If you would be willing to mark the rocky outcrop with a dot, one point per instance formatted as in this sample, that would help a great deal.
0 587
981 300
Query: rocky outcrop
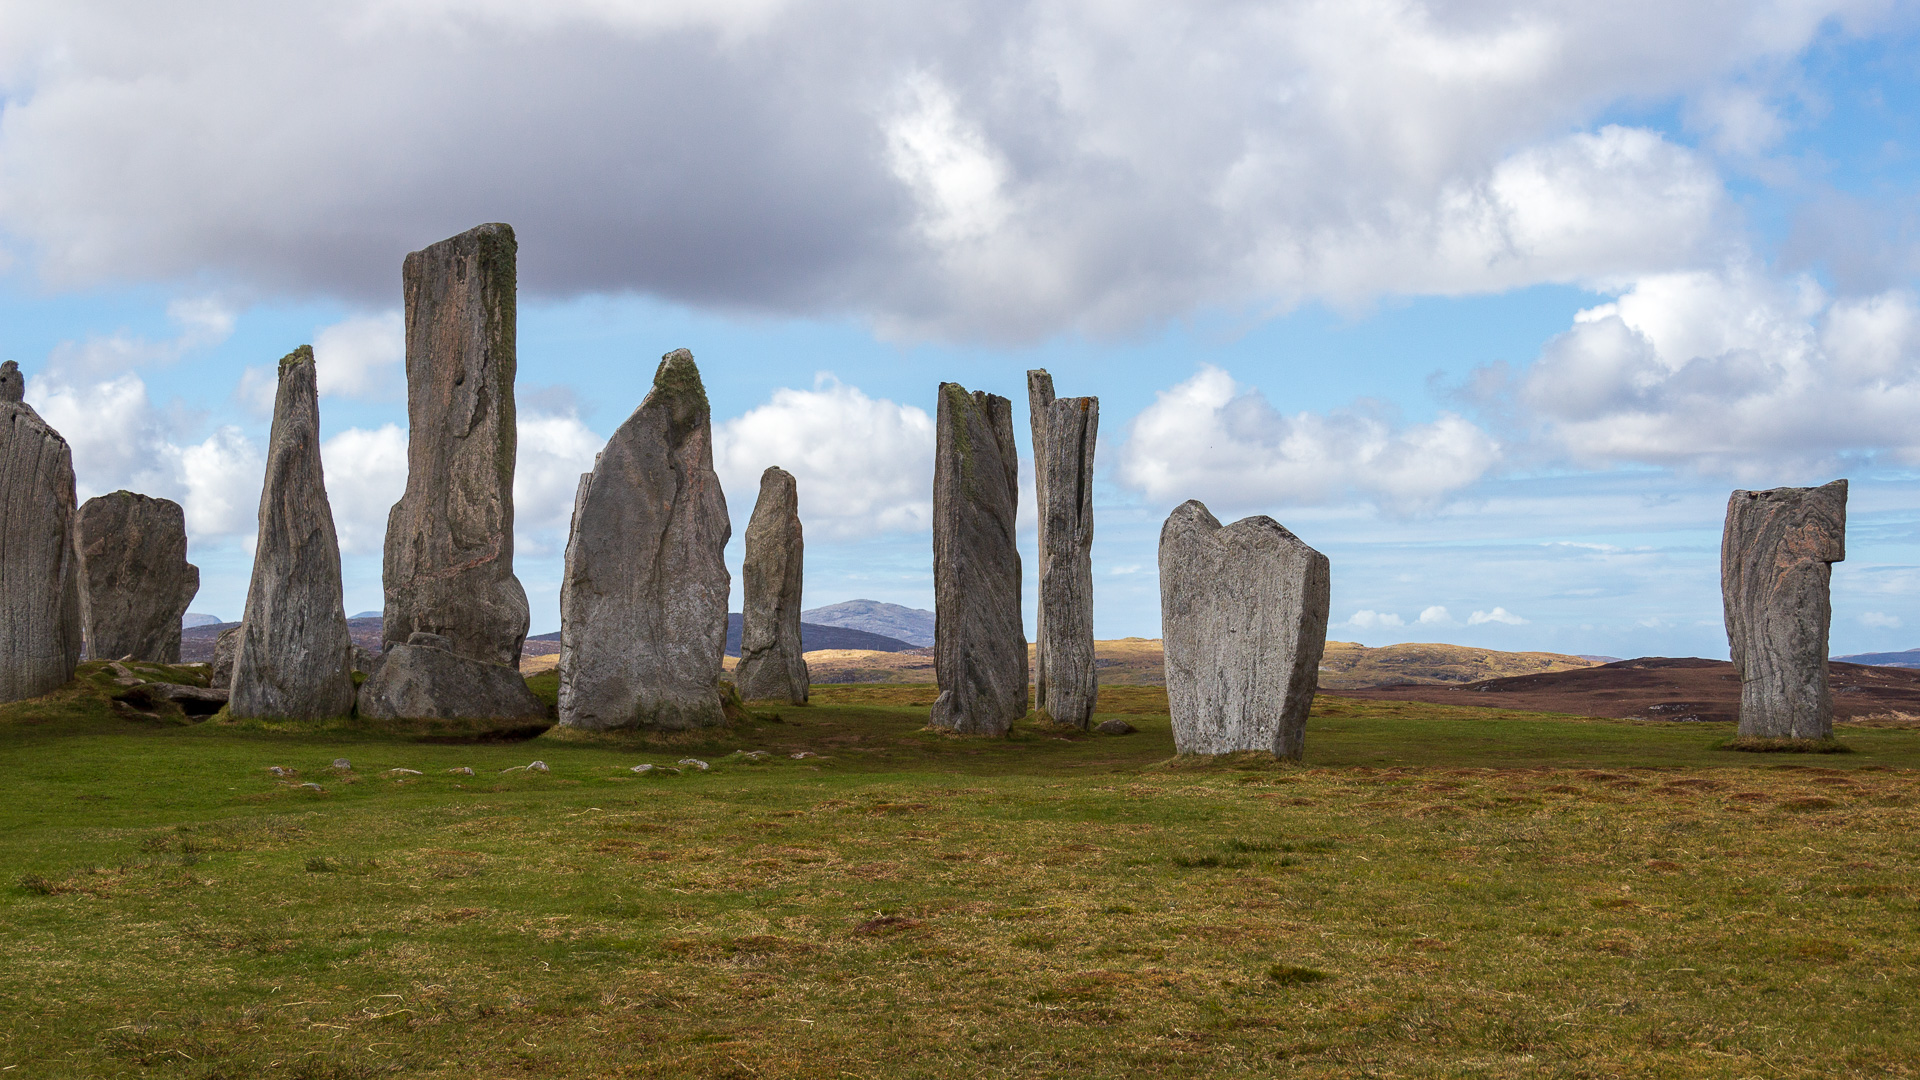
294 657
1064 433
1776 562
224 649
40 629
643 605
771 664
425 679
1243 616
135 580
980 644
449 555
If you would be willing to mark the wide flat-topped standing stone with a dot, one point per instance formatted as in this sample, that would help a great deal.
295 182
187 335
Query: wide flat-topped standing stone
1064 433
40 630
1243 618
449 554
135 579
424 680
980 644
294 659
1776 562
643 605
771 664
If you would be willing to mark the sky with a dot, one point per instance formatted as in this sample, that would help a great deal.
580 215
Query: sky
1493 303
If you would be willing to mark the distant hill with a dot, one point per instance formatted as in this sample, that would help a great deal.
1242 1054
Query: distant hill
1908 659
196 642
812 636
911 625
194 618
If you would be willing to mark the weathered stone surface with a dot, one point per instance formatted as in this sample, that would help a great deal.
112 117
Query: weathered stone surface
1776 561
1065 685
424 680
1114 727
771 664
449 555
1243 616
135 580
40 629
294 658
643 605
980 644
224 648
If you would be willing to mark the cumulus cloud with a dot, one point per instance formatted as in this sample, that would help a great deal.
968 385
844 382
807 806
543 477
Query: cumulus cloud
1734 373
1497 615
1880 620
1437 616
863 465
362 357
1211 438
1369 620
999 170
555 448
366 474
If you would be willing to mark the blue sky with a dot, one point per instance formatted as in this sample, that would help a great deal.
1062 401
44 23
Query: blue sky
1493 303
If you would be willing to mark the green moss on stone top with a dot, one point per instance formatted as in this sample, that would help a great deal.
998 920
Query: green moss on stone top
301 355
679 377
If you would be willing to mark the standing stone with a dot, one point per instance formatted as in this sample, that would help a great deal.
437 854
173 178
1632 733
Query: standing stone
449 555
40 632
1776 561
1243 615
425 680
135 580
643 606
295 658
1065 685
225 648
771 664
980 645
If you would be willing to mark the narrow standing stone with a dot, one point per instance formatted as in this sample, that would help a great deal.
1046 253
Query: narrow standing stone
643 605
449 555
1243 615
771 664
1065 684
225 648
980 645
295 657
1776 562
39 572
135 581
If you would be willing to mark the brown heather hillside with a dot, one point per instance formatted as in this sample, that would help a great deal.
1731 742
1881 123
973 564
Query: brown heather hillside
1138 662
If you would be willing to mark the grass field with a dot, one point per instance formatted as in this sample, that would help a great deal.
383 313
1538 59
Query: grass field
1436 892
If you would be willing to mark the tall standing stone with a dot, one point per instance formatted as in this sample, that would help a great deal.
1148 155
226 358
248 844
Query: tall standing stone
1776 562
1065 685
980 644
295 658
40 631
643 606
771 663
135 581
449 555
1243 616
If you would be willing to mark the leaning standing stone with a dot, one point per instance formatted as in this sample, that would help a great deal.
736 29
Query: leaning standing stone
135 579
1064 433
643 605
771 664
449 555
224 649
1776 561
294 658
39 572
1243 615
980 644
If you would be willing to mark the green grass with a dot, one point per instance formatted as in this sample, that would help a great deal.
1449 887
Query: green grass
1434 892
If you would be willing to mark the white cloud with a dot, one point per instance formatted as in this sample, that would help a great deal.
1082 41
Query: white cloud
1437 616
1497 615
1880 620
1211 438
362 357
554 450
366 474
997 170
202 322
1369 620
863 465
1732 373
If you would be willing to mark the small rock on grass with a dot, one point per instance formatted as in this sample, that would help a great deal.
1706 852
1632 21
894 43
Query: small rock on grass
280 770
1115 727
695 763
311 786
343 764
643 768
405 772
803 754
463 770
